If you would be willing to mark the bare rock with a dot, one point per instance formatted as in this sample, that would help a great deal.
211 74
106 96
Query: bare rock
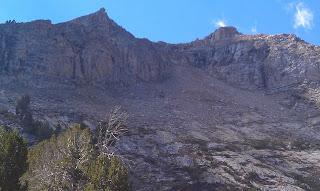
88 49
223 33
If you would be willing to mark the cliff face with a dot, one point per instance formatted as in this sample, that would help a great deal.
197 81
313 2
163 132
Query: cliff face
89 49
95 49
255 61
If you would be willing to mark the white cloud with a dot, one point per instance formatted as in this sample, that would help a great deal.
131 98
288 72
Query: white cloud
303 17
254 29
289 7
220 24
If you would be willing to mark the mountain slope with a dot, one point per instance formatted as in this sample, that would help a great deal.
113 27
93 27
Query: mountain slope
230 111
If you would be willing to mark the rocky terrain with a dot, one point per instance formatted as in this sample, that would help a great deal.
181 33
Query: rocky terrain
228 112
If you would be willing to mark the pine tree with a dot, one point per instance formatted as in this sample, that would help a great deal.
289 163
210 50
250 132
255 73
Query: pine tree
108 174
72 162
41 130
60 163
13 159
57 130
23 106
28 123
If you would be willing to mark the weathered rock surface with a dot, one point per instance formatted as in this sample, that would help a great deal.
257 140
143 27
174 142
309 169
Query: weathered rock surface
194 123
94 49
254 61
88 49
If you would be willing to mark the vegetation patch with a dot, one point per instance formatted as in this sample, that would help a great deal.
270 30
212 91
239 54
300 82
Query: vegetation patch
13 159
204 147
72 162
252 177
310 182
192 140
206 186
8 115
3 111
263 144
40 129
150 160
152 141
145 131
304 145
301 97
229 171
228 147
233 147
194 172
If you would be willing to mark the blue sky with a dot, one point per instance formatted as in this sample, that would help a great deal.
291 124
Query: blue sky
177 21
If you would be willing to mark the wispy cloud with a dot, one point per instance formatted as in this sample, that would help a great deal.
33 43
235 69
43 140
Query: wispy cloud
289 7
254 29
303 17
220 23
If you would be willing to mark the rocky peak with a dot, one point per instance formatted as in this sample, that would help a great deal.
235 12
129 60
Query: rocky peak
89 49
223 33
94 18
94 49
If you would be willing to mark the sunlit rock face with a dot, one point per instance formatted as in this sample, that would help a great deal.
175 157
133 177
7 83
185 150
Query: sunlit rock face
94 49
254 61
88 49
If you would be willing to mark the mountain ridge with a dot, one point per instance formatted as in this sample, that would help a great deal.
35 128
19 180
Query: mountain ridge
230 111
94 49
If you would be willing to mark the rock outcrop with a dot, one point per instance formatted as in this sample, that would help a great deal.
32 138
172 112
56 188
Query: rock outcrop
254 61
88 49
94 49
223 33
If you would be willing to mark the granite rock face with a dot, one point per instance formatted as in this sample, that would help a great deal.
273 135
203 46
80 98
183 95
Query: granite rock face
88 49
255 61
94 49
223 33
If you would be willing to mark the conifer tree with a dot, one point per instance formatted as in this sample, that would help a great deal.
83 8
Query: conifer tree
22 106
72 162
13 159
108 174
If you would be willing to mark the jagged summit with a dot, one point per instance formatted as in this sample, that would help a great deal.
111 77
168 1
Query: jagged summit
95 18
102 10
94 49
223 33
